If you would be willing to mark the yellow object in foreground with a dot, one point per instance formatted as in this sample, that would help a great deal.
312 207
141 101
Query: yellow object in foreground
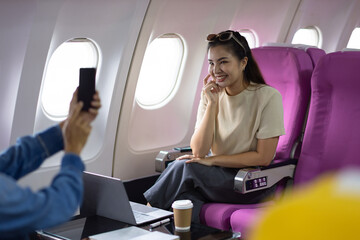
329 208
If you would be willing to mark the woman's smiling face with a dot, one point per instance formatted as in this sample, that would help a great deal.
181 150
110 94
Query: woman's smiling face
226 69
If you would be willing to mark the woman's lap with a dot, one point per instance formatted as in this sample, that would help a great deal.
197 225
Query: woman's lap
199 183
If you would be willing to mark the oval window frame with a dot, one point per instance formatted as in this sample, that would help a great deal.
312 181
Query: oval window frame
171 90
46 94
251 33
354 40
314 29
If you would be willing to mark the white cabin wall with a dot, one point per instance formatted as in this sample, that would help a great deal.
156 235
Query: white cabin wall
353 21
270 20
114 27
143 133
15 32
332 17
33 68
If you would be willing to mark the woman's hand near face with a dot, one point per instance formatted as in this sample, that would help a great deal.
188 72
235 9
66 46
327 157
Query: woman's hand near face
202 137
211 90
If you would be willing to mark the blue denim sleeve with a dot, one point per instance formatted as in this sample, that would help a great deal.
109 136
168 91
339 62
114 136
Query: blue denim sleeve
23 211
29 152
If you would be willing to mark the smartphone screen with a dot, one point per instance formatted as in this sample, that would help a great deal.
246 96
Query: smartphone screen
86 86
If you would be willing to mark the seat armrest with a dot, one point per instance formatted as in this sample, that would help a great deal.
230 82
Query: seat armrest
258 178
163 158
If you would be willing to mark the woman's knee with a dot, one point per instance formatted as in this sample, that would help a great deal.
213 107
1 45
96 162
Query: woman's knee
189 169
178 164
174 168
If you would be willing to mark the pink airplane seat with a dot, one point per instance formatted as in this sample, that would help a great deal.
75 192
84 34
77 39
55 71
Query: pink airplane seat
288 70
314 52
331 138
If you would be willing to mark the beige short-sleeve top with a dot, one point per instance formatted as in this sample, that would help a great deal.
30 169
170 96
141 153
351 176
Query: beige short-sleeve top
255 113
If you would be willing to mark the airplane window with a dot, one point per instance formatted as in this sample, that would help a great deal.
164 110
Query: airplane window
159 71
354 41
308 36
62 75
251 37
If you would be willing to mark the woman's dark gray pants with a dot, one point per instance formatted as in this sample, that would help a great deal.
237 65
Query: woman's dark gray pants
200 184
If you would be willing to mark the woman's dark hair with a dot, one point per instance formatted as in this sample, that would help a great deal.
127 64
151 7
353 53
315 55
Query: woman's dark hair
252 72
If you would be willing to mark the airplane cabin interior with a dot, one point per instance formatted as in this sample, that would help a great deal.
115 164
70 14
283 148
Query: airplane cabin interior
151 58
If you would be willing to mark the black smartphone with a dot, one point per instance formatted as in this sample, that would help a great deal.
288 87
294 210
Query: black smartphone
86 89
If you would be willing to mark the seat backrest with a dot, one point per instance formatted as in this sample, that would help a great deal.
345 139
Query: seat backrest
332 135
315 54
288 70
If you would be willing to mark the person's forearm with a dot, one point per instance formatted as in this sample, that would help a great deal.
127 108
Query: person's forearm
202 138
247 159
29 152
262 156
23 211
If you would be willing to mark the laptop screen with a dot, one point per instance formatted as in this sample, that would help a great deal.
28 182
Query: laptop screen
106 196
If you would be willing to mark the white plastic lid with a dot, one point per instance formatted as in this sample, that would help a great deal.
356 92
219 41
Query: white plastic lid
182 204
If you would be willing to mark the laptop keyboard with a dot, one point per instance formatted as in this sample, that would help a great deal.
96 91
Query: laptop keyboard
140 217
143 213
141 208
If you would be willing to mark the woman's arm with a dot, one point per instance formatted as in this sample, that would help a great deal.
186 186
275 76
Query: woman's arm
203 136
263 156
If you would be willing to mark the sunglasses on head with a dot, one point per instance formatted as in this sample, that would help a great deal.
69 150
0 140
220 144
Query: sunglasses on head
223 37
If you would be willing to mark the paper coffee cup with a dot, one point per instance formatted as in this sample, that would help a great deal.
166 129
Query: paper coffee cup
182 214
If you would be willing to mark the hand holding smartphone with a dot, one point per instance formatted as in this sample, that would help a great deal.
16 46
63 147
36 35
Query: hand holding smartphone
86 89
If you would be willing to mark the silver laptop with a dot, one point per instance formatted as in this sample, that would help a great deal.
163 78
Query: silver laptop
106 196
